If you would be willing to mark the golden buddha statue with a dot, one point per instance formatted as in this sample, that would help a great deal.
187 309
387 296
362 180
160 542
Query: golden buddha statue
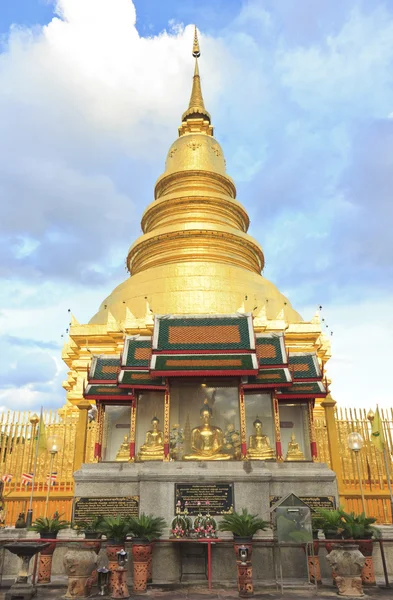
153 448
123 454
207 440
259 447
294 452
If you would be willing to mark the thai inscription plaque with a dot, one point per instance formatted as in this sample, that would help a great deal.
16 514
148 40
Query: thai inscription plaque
215 498
87 508
313 502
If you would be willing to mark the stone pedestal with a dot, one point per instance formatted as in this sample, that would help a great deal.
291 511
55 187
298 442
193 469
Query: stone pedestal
347 561
254 483
79 564
22 589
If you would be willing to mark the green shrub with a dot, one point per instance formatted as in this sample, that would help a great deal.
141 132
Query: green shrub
242 524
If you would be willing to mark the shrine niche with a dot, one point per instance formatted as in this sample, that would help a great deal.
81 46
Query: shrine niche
205 388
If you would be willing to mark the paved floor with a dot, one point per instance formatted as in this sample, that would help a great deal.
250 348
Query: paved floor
55 592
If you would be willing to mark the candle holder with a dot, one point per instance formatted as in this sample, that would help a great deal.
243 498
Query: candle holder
103 581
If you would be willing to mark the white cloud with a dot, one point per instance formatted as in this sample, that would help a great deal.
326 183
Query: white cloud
88 109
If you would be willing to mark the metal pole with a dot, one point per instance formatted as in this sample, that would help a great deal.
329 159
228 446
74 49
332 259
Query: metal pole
383 558
52 458
360 480
29 518
388 480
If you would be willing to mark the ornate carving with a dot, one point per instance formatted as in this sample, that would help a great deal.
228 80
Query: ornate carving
349 586
172 152
194 145
216 149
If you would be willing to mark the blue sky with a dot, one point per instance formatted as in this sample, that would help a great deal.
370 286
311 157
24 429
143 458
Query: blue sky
91 93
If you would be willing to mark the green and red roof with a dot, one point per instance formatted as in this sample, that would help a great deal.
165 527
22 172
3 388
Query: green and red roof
209 333
201 346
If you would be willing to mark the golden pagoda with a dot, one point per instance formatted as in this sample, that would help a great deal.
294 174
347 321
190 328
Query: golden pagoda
195 257
196 356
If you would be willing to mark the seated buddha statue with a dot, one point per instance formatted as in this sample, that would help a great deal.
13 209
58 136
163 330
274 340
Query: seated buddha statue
294 452
207 440
124 450
153 448
259 447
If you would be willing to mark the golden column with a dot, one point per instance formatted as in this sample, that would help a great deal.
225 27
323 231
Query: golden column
334 446
81 434
133 428
243 433
167 404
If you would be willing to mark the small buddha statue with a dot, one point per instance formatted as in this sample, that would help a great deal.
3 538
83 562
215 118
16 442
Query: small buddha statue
207 440
294 452
123 454
153 448
259 447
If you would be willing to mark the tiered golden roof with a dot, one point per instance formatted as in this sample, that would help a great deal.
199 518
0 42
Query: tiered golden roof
195 255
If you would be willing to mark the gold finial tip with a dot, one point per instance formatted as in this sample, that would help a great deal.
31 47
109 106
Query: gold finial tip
195 48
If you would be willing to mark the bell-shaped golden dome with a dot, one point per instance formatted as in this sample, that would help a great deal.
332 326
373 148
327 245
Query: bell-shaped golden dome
195 255
195 152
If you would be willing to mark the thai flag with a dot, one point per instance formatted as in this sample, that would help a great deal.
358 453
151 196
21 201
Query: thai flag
51 478
6 478
27 478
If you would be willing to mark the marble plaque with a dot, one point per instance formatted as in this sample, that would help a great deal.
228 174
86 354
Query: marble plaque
215 498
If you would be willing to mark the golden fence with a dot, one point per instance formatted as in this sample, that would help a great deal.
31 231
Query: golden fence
17 445
17 454
372 463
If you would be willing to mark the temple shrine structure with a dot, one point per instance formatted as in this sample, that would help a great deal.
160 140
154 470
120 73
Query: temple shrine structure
199 368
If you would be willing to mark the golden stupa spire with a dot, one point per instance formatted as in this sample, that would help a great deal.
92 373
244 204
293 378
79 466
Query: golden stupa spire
196 110
195 48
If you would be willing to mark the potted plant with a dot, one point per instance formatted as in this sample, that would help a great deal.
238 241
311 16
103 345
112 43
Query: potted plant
115 529
243 525
90 527
331 523
144 530
360 527
49 528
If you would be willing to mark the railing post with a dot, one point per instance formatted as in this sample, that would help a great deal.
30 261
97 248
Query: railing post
334 446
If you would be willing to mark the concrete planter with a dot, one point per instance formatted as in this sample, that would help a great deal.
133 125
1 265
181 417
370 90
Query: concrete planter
314 565
79 563
347 561
46 557
141 554
368 572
